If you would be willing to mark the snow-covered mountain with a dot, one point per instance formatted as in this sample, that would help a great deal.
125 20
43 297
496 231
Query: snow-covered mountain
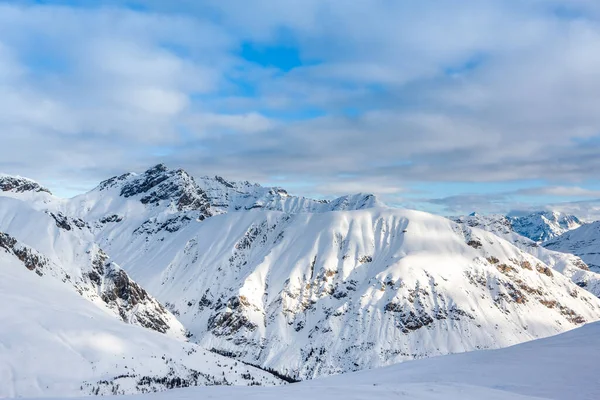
544 225
538 226
235 196
317 294
62 249
17 184
583 242
161 190
311 288
55 342
567 264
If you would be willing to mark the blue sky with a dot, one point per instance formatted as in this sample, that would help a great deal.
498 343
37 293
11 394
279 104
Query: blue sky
449 107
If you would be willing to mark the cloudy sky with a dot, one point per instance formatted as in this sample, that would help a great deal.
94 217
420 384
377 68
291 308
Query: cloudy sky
445 106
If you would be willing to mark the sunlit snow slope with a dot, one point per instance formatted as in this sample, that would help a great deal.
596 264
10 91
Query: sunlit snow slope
315 294
54 342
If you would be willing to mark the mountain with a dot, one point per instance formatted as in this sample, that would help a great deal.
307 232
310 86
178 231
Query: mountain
583 242
62 249
163 190
235 196
17 184
56 342
569 265
544 225
310 288
560 368
317 294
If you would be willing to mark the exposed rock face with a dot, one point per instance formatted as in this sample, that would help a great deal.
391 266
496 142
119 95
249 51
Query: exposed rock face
105 280
30 258
217 195
126 297
20 185
67 223
159 184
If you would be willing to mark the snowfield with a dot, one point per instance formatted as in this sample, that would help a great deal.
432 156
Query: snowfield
562 367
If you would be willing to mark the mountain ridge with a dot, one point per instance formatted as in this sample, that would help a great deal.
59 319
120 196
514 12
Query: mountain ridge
311 288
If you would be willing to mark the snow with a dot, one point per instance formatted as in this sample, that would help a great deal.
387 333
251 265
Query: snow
316 294
71 257
544 225
583 242
235 196
54 342
560 367
567 264
305 287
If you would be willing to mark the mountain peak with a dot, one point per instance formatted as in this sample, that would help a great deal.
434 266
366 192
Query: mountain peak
17 184
160 184
157 169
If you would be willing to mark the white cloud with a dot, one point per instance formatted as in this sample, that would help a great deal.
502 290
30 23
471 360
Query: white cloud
474 91
560 191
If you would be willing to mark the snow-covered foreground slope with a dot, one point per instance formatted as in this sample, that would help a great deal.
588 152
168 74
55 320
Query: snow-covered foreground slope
567 264
583 242
562 367
316 294
54 342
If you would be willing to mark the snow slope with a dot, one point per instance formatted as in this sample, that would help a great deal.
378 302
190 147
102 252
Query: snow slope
567 264
561 367
583 242
54 342
62 249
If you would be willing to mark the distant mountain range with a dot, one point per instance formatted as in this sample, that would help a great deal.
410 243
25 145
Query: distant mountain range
298 287
538 226
568 264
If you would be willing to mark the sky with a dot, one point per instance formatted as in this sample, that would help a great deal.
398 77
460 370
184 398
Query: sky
444 106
